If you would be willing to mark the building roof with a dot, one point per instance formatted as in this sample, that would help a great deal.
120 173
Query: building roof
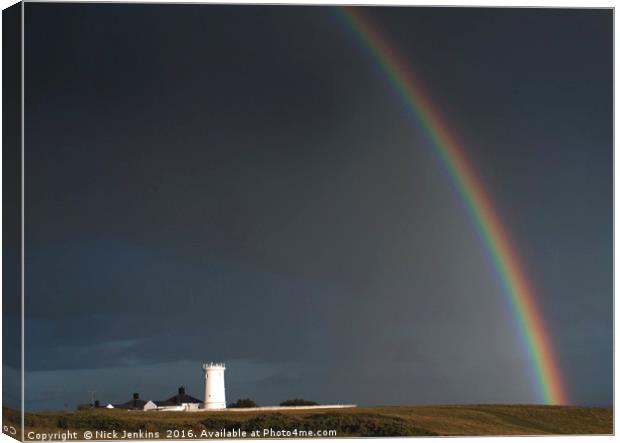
135 403
178 399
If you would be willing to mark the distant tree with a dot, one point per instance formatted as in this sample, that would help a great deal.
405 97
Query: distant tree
243 403
298 402
85 407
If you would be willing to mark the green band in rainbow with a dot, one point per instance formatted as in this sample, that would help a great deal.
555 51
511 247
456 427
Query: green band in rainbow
503 255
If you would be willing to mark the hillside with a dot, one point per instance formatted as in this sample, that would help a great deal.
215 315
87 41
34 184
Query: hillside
362 421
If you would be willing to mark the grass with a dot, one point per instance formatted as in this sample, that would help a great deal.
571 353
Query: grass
362 421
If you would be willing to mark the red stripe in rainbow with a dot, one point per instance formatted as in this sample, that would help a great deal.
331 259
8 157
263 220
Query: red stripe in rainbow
519 292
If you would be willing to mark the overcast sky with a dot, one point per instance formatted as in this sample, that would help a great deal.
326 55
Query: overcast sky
241 184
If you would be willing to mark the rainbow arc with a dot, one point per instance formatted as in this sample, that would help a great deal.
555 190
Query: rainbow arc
531 326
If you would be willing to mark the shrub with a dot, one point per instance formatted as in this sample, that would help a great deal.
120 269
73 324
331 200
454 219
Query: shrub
243 403
298 402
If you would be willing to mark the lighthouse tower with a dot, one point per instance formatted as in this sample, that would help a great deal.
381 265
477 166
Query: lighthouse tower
215 393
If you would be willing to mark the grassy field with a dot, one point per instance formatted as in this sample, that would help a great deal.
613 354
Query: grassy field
361 421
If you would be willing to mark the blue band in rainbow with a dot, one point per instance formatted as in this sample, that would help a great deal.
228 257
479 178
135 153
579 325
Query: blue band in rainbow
516 287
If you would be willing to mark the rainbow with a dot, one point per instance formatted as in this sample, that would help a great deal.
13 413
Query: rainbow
531 326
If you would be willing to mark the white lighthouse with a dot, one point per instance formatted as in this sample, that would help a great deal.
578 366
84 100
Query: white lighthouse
215 393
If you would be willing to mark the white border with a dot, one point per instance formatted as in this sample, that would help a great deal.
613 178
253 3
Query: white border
478 3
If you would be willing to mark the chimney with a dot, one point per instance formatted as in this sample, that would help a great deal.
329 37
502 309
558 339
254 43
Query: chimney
97 404
136 395
182 390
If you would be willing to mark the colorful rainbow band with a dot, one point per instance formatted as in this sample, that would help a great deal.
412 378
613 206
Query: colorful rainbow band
531 327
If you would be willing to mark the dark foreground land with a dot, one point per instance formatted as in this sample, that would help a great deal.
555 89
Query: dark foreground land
361 421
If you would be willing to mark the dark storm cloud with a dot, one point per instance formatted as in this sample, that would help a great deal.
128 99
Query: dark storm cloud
239 183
